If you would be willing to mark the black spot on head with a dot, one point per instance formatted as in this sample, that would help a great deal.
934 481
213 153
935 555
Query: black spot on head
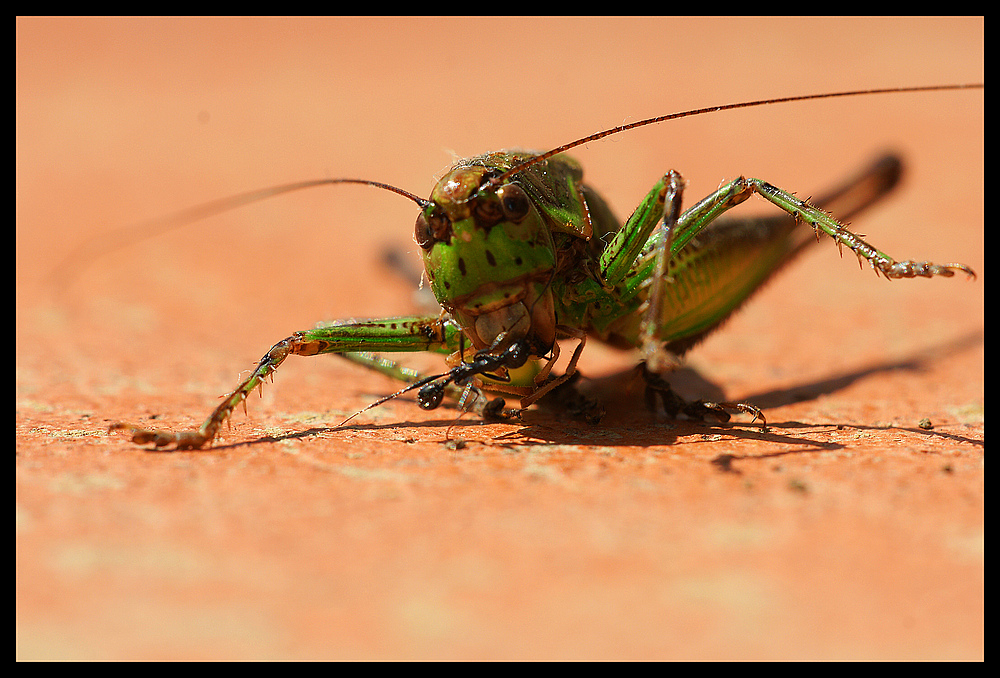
490 259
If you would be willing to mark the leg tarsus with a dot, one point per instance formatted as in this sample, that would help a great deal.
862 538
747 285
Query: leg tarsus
659 389
494 411
568 398
193 440
184 440
722 407
880 262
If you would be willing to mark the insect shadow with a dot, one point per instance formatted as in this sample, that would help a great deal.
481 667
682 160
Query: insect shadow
919 361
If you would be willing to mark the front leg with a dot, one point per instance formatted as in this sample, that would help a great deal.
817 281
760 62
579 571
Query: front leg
392 334
189 440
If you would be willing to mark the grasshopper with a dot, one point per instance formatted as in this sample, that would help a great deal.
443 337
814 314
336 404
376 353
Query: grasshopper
521 253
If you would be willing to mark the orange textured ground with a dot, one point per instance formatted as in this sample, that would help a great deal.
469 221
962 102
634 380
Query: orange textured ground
845 531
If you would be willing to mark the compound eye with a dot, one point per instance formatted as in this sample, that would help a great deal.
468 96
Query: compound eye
514 202
488 212
430 230
422 233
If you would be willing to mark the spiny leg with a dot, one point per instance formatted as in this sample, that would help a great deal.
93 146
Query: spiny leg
639 259
693 272
699 270
650 344
656 357
188 440
393 334
823 222
715 265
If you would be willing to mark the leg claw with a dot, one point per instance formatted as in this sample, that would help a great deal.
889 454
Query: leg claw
184 440
657 389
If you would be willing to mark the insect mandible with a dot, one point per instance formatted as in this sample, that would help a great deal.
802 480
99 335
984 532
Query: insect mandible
521 253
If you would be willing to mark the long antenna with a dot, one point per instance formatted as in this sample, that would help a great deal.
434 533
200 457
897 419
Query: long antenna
496 181
129 235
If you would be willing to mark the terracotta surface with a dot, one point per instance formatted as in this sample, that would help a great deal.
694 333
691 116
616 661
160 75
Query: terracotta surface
845 531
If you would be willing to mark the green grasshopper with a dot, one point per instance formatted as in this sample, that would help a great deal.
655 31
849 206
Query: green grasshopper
521 253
